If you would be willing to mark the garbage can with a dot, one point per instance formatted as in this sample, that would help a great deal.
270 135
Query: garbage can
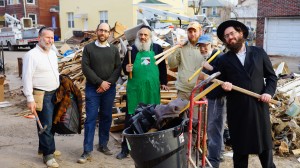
162 149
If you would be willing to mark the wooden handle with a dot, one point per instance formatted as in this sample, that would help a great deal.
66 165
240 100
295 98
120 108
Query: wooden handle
200 69
202 94
162 58
129 58
247 92
167 51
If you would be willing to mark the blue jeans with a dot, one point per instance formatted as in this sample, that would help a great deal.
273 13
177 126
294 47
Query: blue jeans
102 103
46 139
216 118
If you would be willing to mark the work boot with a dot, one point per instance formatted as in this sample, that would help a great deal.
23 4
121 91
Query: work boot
105 150
84 157
122 155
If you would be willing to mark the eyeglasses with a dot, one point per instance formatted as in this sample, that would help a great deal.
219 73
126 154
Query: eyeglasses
103 31
226 36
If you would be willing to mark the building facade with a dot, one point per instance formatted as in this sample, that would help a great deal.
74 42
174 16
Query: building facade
278 23
82 16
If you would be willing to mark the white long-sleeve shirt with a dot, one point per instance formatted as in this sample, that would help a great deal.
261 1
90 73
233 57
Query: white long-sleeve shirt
40 71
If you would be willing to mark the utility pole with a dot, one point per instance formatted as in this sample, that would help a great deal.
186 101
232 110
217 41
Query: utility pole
24 6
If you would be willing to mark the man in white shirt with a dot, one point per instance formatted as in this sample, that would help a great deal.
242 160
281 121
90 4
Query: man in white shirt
40 72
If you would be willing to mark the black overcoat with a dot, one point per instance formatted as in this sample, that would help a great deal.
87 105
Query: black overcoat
248 118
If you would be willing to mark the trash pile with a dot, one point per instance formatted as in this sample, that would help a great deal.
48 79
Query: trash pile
286 119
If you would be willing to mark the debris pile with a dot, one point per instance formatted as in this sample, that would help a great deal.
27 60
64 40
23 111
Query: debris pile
285 119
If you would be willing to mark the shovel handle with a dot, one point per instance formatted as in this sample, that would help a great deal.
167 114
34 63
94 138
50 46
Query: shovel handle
247 92
167 51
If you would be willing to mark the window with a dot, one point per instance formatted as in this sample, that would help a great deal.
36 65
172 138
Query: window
204 10
10 2
30 1
2 3
214 11
70 20
103 17
17 1
33 17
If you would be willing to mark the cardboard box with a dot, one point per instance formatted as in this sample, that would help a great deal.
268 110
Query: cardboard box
2 79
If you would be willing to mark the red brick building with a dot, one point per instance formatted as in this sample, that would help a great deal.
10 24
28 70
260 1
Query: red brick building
278 23
42 12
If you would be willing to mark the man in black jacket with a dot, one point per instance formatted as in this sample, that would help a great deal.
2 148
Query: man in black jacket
248 67
216 106
147 77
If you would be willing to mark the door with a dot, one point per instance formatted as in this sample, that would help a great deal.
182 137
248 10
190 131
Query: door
282 36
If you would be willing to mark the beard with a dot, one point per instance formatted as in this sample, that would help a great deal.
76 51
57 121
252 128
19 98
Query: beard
44 46
142 46
206 55
101 39
237 46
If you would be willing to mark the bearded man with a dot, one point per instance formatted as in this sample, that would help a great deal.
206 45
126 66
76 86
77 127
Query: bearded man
147 77
216 107
101 65
248 119
40 73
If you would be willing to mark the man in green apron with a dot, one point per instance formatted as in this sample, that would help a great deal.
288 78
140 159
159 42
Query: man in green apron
147 77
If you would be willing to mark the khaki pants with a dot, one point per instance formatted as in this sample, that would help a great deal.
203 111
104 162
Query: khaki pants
186 96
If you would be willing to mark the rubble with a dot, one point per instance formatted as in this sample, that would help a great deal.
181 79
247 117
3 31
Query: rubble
285 126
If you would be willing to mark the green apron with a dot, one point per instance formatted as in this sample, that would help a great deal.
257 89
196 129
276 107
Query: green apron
144 87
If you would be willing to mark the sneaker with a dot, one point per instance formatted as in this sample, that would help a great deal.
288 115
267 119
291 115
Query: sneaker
84 157
105 150
52 163
122 155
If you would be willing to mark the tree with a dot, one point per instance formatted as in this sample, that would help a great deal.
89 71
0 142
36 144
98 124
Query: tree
196 5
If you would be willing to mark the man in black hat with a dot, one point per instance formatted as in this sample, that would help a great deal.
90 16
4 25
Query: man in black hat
248 67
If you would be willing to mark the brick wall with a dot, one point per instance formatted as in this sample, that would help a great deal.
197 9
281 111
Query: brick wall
41 8
274 8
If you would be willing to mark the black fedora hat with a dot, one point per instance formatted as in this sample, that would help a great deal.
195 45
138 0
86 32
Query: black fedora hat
233 23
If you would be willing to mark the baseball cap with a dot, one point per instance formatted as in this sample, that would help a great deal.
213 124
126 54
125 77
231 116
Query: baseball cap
194 25
204 39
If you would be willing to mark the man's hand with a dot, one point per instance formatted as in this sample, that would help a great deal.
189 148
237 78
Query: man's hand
227 86
165 87
31 106
99 90
207 66
105 85
129 67
265 98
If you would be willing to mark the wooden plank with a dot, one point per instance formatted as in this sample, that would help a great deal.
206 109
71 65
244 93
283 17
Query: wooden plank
296 152
118 127
123 104
116 136
117 115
